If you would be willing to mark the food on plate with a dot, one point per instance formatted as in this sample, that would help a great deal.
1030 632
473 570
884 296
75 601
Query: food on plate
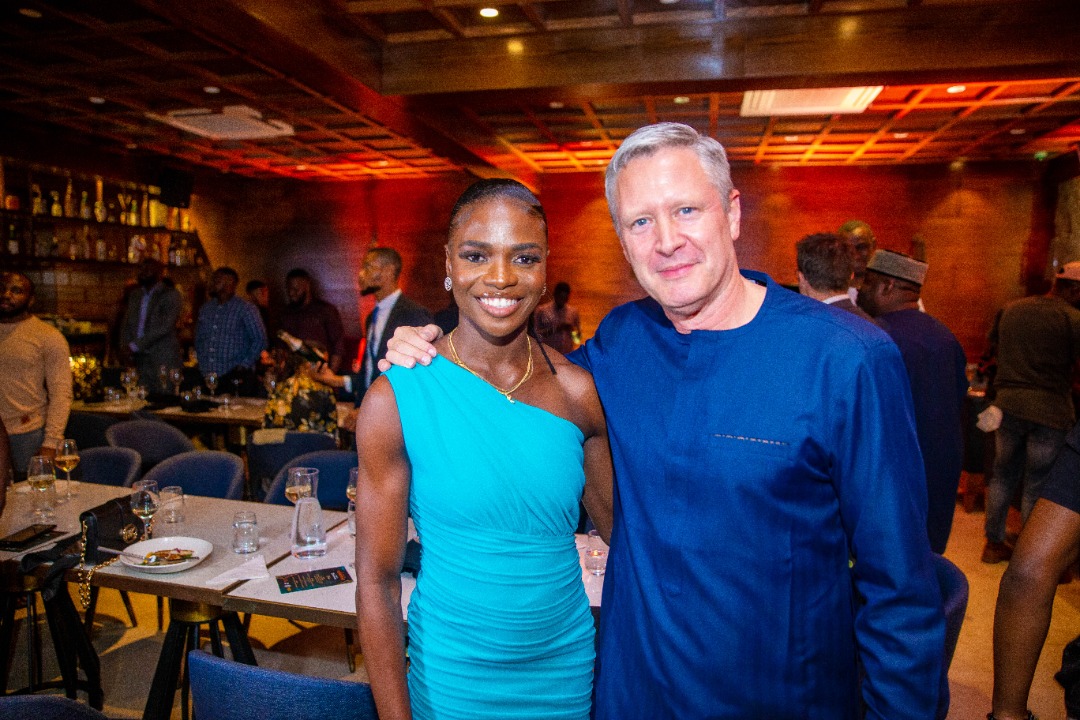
163 557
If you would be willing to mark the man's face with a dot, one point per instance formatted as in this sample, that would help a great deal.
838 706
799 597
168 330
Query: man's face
675 233
862 242
261 296
873 292
373 274
149 274
298 290
224 287
15 296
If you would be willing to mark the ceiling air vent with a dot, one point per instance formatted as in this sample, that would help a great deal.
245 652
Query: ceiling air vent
810 101
234 122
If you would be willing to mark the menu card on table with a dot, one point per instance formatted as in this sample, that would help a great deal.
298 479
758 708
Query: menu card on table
311 579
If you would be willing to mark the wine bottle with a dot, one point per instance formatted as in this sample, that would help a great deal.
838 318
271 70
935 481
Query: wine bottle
301 348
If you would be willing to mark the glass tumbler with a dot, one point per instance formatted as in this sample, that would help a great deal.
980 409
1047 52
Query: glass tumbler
308 533
595 554
245 532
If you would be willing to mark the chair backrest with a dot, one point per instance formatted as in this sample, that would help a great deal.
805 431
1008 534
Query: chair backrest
264 461
88 429
954 597
108 466
47 707
210 473
227 690
152 439
333 467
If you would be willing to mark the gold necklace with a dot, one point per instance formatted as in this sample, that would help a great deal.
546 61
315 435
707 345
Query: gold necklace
505 393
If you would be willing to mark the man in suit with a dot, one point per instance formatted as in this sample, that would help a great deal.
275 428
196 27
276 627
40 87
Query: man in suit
826 264
149 327
379 276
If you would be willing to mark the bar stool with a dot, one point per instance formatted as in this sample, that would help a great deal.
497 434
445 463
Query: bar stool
185 621
70 642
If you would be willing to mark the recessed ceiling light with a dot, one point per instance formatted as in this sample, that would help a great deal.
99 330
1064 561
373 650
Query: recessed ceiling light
379 163
211 89
301 168
955 89
586 143
1017 131
957 165
132 146
681 100
30 13
96 100
515 47
555 105
900 135
489 12
791 138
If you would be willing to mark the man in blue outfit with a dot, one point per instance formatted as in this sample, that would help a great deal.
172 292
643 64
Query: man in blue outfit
769 556
936 365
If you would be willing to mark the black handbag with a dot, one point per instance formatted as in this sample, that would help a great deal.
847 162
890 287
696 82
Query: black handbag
110 524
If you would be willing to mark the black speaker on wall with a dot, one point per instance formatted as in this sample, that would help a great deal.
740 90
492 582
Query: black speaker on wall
176 186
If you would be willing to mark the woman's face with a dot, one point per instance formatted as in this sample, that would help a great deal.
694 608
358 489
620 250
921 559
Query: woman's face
497 259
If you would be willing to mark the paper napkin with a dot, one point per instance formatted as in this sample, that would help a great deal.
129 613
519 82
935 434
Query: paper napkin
253 569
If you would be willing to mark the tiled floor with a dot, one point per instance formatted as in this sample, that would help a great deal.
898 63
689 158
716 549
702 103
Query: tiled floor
128 654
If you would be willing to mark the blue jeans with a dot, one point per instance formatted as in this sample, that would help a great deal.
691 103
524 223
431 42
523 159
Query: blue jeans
1024 452
23 447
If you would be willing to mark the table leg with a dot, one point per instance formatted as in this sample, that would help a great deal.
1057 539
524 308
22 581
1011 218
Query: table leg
238 639
163 687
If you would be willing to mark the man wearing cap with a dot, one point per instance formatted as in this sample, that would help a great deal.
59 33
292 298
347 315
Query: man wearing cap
1038 345
935 365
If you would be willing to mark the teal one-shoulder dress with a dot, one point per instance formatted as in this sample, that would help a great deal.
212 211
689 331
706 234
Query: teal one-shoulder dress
499 623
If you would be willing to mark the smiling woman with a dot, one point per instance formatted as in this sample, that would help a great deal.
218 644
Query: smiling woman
499 617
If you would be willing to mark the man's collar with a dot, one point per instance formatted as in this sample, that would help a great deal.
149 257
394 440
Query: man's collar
388 302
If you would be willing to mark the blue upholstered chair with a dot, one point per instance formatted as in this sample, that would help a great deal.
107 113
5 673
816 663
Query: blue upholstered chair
333 467
210 473
46 707
108 466
954 595
152 439
266 459
88 429
227 690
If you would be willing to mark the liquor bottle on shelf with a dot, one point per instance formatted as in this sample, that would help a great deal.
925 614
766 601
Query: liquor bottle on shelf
69 200
301 348
37 202
99 200
72 248
54 246
100 249
55 208
14 248
85 212
84 243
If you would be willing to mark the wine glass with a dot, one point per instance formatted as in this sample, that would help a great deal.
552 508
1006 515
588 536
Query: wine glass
41 474
129 378
144 503
237 381
67 459
211 380
301 482
176 376
270 382
350 489
163 378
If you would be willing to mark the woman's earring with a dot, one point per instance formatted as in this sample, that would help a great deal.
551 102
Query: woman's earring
448 285
544 291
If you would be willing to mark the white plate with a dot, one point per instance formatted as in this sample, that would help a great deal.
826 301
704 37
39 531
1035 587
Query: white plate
201 548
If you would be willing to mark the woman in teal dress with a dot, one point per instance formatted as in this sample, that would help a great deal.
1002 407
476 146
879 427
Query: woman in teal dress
489 449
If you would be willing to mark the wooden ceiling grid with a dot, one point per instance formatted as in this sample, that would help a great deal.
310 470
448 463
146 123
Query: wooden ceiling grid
139 58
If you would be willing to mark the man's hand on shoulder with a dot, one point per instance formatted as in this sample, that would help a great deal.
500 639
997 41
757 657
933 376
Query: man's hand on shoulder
411 345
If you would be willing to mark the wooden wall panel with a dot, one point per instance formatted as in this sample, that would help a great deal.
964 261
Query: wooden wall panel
982 225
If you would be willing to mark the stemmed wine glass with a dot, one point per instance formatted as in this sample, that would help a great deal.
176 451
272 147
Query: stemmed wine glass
350 489
129 378
41 474
176 376
301 482
237 381
144 503
67 459
211 380
163 378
